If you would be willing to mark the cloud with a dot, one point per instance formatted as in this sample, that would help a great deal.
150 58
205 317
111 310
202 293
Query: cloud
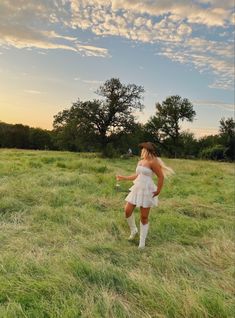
202 132
171 26
90 50
206 56
181 30
104 21
24 37
22 31
217 104
214 14
93 82
31 91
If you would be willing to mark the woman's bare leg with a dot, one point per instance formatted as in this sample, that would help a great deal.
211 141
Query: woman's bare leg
144 214
144 226
129 208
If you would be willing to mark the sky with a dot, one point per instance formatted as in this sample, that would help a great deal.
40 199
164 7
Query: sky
53 52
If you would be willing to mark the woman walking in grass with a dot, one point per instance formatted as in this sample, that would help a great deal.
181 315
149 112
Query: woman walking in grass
144 193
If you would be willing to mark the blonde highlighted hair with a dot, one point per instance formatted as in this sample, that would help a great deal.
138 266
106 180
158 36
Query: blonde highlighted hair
167 171
148 155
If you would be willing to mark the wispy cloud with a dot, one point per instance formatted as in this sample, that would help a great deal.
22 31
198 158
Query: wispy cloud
31 28
89 81
24 37
90 50
32 91
206 56
93 82
202 132
225 106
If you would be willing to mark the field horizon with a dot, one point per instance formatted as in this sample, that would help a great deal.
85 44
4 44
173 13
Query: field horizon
63 239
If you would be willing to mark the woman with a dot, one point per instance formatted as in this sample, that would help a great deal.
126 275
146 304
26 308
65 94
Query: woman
144 193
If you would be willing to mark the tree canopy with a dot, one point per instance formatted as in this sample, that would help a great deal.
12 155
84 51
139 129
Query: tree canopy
101 118
165 125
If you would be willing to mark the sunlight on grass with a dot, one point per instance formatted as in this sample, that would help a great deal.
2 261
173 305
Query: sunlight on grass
64 249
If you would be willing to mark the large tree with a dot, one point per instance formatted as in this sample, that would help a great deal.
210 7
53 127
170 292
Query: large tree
227 134
227 127
101 118
165 126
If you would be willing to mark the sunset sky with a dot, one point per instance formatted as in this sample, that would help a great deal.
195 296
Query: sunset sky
53 52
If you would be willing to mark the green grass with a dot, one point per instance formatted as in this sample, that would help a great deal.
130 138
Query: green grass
64 249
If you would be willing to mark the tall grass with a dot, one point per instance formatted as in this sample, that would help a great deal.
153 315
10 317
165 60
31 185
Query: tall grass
63 246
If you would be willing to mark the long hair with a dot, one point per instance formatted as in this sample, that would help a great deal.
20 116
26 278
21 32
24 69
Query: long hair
147 155
167 171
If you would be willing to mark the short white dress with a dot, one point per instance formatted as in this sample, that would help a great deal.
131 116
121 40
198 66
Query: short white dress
141 193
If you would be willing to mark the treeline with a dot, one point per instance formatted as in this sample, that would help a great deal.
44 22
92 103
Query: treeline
25 137
108 125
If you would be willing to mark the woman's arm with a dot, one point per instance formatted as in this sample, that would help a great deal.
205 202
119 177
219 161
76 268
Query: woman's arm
155 166
120 178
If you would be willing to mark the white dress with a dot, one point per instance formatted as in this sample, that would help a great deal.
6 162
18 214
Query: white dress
141 193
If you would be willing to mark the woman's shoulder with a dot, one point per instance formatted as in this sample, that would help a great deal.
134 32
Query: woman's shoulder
155 162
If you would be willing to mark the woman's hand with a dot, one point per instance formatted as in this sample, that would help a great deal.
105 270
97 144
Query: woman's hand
155 193
155 166
119 178
130 178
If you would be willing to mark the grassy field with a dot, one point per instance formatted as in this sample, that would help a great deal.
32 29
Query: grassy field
64 249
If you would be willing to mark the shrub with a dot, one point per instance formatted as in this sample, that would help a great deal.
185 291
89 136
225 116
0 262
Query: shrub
110 151
214 153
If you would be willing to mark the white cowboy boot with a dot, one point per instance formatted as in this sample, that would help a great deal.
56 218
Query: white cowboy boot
143 234
133 228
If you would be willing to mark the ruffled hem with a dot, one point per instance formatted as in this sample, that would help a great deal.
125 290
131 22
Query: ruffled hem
139 201
141 194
